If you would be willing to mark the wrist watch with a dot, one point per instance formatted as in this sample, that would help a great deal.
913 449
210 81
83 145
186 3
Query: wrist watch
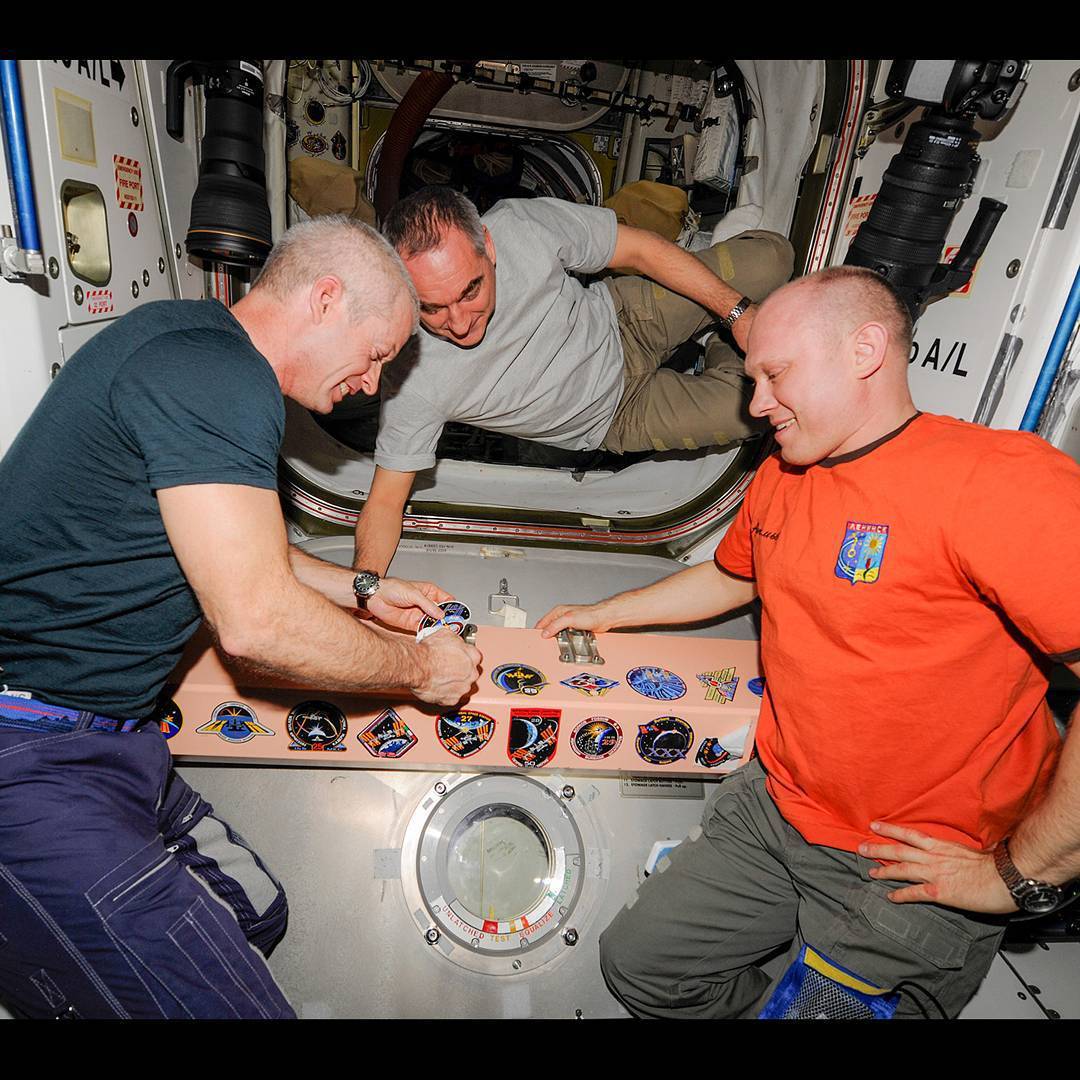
365 585
736 312
1032 896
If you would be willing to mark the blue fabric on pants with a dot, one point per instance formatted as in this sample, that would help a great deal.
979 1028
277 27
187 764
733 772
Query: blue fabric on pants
108 907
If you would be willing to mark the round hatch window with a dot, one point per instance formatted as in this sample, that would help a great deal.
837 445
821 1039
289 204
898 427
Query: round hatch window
493 867
499 863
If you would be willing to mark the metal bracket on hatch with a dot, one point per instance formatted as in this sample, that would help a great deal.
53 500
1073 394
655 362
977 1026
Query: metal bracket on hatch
578 647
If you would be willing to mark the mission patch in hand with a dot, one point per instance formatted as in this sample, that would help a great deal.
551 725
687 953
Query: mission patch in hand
455 616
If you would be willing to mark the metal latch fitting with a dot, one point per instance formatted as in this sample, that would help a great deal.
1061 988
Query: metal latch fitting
578 647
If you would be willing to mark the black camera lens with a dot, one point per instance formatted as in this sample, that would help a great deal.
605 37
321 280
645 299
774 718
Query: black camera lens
230 217
923 186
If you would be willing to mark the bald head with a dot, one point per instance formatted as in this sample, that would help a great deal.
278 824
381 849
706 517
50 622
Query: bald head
836 302
828 356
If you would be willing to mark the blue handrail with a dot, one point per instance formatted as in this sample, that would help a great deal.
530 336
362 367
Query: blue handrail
18 158
1054 355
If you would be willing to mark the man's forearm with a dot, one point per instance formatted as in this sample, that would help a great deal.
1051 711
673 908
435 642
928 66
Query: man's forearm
299 635
1046 844
671 266
332 581
378 530
699 592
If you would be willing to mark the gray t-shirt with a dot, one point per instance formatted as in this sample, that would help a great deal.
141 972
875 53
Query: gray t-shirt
550 367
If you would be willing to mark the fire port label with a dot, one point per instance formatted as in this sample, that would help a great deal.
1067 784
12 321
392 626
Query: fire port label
858 212
99 301
129 188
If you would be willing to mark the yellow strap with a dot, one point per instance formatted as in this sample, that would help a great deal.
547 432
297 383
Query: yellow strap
819 963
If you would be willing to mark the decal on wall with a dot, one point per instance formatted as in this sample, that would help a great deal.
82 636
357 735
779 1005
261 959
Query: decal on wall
387 736
99 301
711 753
664 740
859 211
455 616
589 684
96 71
129 187
933 358
519 679
719 685
534 736
656 682
316 725
596 738
234 722
465 732
169 718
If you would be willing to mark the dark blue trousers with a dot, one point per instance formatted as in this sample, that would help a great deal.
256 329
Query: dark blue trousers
121 895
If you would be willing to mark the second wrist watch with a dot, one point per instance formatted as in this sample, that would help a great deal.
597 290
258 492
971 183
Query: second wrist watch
737 312
1031 896
365 586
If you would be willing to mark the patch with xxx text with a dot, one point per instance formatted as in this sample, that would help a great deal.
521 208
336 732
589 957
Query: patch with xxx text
861 552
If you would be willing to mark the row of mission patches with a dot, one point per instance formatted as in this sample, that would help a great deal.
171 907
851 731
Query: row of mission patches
316 725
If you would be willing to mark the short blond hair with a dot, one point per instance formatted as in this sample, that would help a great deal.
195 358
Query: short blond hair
371 271
853 295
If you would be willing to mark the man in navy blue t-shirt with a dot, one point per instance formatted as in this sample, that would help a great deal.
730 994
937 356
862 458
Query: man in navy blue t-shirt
140 498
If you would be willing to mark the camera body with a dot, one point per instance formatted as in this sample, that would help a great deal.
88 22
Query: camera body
932 174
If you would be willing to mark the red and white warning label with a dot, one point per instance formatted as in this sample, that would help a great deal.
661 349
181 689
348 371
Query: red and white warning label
129 190
947 257
858 212
99 301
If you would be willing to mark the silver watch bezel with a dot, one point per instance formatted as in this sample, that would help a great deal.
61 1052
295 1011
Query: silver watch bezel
365 586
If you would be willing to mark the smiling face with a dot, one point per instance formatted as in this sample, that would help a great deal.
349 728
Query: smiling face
806 381
345 358
456 286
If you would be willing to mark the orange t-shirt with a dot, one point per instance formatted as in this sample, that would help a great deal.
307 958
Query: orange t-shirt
908 590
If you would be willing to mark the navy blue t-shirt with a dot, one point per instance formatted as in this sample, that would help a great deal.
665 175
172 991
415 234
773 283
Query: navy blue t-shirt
94 608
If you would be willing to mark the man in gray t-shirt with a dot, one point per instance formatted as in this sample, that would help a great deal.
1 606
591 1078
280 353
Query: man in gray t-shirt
512 342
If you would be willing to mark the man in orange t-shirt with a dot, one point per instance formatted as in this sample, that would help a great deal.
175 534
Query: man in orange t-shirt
917 575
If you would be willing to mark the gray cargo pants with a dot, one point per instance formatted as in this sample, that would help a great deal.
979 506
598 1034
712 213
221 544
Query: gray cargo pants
688 943
662 409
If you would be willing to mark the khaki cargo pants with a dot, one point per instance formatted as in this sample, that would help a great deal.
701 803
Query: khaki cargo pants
662 409
746 885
